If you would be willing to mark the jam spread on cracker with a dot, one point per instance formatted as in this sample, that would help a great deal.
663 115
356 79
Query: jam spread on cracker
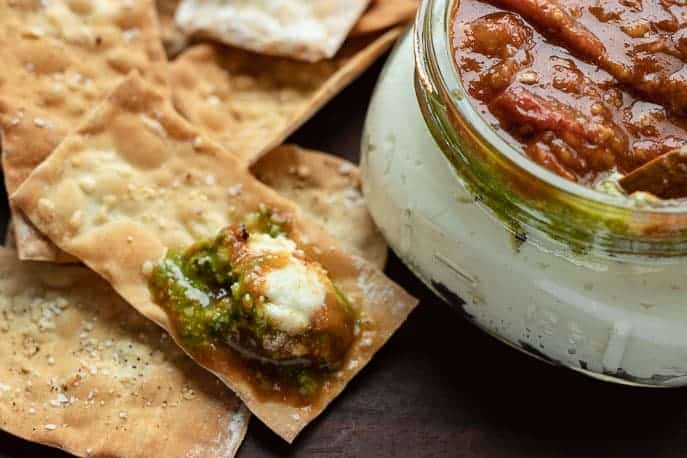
586 89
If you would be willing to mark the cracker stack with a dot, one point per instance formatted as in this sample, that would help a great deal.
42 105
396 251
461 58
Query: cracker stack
112 155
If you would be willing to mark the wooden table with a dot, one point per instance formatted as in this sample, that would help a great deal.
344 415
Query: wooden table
443 388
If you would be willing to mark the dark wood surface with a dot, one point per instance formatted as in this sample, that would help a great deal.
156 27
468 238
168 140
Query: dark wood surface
443 388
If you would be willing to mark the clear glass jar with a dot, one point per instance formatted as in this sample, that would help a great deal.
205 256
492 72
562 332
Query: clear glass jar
588 280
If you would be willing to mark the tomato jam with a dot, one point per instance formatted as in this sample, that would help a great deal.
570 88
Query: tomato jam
584 88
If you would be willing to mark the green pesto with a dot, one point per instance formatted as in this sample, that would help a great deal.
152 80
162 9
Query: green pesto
201 290
210 307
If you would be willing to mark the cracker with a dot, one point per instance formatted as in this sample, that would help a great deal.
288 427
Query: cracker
83 372
119 202
251 103
59 60
327 189
310 31
383 14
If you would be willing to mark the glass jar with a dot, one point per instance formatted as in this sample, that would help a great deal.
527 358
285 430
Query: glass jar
577 277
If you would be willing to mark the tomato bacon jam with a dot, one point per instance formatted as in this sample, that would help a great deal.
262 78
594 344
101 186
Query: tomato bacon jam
587 89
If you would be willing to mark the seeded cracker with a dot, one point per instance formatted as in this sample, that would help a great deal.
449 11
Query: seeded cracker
82 372
59 60
168 188
251 103
327 189
310 31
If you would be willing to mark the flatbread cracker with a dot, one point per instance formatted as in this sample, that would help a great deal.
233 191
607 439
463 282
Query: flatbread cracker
310 31
83 372
382 14
327 189
119 202
59 60
251 103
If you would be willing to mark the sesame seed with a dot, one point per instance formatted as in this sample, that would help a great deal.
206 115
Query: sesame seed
345 168
51 426
235 190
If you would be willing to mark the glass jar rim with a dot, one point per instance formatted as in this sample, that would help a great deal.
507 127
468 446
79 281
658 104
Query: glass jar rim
436 48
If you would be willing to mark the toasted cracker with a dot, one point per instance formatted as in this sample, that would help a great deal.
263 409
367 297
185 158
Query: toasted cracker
251 103
59 60
382 14
327 189
119 202
83 372
310 31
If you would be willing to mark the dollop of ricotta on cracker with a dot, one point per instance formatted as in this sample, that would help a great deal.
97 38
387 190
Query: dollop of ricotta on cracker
295 291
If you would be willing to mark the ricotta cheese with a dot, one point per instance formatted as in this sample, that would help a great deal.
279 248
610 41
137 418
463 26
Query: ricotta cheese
294 292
